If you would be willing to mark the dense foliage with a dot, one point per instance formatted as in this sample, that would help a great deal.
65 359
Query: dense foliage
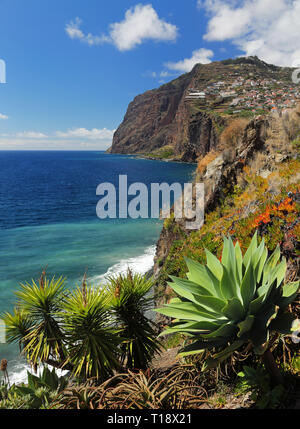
225 304
90 331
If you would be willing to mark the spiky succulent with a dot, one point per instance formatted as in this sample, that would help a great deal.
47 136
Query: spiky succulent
225 304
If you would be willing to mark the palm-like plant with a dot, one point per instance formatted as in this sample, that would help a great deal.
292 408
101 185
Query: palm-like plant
228 303
17 326
92 342
35 322
129 299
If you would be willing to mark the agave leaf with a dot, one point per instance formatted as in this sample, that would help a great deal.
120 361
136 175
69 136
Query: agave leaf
225 251
211 303
224 331
181 291
190 306
289 293
256 304
234 310
177 313
176 301
265 317
231 263
261 264
199 346
239 262
228 255
194 328
246 325
258 253
214 361
283 323
248 286
23 390
250 251
190 286
216 283
214 265
271 263
229 287
278 272
267 289
198 274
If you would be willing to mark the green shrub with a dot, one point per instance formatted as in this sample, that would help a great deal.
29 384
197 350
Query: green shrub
37 393
227 303
130 299
87 331
258 382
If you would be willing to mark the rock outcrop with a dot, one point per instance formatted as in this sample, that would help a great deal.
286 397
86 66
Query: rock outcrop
220 175
167 118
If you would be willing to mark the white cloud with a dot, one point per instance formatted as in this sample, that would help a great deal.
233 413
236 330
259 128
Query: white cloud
31 135
166 74
266 28
141 23
3 117
74 32
94 134
199 56
78 138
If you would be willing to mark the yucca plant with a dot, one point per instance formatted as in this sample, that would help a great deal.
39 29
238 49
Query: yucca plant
92 342
35 324
130 299
225 304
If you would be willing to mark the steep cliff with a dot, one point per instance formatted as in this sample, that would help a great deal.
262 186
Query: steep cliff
254 185
171 122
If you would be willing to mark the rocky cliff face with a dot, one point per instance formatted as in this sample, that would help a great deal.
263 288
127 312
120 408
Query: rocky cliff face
167 118
241 184
162 118
220 175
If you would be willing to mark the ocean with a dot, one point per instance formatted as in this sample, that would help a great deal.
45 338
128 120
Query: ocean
48 219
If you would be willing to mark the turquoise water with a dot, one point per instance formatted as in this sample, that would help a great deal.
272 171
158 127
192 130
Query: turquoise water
48 218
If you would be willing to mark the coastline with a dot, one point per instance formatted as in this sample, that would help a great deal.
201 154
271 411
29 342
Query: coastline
151 158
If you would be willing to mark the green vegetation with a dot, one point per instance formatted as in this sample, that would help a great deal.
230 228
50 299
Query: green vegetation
274 218
258 382
129 302
227 303
162 153
233 315
296 144
38 393
87 331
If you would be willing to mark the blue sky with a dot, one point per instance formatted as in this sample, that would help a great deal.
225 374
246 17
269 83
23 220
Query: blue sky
73 66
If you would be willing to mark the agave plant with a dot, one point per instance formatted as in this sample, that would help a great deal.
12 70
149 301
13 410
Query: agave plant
130 299
43 389
225 304
92 342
